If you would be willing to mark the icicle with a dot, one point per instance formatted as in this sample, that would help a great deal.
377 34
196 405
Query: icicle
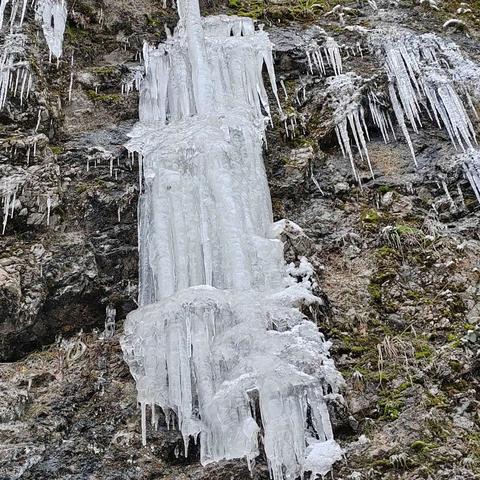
39 118
471 167
449 197
400 119
422 70
144 423
49 205
333 55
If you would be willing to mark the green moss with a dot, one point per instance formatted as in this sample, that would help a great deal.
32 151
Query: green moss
110 99
453 338
382 276
438 401
105 70
386 252
402 229
390 408
425 351
56 149
384 189
422 446
413 295
375 291
290 10
76 35
370 216
455 365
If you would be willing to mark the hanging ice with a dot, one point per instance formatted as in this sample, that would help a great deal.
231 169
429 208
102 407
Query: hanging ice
344 96
381 118
426 72
217 343
329 54
471 166
15 74
8 193
53 16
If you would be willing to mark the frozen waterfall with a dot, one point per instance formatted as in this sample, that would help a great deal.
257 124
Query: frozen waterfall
218 343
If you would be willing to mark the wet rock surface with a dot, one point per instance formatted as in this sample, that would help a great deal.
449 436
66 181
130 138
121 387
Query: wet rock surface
397 260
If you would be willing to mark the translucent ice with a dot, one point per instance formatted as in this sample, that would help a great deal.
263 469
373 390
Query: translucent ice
326 55
471 165
430 74
344 94
217 343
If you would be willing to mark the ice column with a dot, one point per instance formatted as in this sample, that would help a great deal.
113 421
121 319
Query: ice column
217 342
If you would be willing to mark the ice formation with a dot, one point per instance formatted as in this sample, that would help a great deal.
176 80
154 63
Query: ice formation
426 75
15 75
8 194
53 16
326 55
345 98
471 166
426 72
217 343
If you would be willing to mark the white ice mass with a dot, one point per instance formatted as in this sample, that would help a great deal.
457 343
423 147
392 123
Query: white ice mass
52 14
428 79
217 342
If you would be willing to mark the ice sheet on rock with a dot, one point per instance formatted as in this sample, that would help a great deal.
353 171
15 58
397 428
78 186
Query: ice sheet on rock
320 456
217 338
53 16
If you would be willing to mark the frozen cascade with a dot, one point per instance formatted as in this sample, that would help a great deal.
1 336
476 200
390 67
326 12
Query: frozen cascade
217 342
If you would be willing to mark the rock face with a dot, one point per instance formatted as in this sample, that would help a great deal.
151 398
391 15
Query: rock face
397 261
